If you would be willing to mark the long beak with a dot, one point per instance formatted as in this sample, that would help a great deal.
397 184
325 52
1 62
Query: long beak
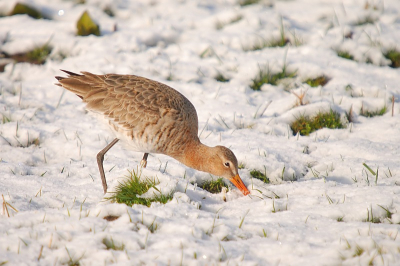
237 181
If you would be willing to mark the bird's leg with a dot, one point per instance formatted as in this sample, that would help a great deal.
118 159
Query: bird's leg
100 159
143 162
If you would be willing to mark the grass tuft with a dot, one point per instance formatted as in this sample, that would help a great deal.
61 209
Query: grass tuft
378 112
318 81
129 191
39 54
344 54
267 77
282 41
260 176
221 78
358 251
305 125
371 218
248 2
388 213
5 119
279 42
220 25
394 56
214 186
109 243
365 20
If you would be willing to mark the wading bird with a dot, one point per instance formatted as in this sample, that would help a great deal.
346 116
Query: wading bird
150 117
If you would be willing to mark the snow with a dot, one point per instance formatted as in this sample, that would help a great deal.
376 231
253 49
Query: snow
321 196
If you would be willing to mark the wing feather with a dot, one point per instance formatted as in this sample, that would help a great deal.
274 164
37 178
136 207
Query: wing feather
129 101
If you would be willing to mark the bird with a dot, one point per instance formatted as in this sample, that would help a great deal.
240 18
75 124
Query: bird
150 117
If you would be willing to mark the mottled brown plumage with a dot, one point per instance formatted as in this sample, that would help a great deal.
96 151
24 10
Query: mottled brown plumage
151 117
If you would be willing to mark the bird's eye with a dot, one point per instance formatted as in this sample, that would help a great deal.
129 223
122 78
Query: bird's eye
227 164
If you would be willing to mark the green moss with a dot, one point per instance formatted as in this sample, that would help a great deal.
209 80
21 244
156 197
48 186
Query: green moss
318 81
20 8
305 125
214 186
87 26
267 77
394 56
260 176
129 191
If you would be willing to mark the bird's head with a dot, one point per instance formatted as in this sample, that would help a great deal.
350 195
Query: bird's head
225 164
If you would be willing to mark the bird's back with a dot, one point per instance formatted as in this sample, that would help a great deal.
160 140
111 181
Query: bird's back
147 115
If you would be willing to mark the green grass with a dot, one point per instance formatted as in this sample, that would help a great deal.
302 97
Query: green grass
221 78
214 186
344 54
109 243
378 112
318 81
388 213
279 42
371 218
260 176
220 25
39 54
248 2
241 165
72 261
129 191
358 251
282 41
5 119
306 125
267 77
365 20
394 56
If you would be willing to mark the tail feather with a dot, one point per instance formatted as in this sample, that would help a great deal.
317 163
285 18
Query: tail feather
75 83
70 73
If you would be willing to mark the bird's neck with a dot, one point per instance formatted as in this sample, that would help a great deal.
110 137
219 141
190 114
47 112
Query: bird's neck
196 155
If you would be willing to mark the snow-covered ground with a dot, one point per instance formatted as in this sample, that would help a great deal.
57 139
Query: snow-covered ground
321 200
